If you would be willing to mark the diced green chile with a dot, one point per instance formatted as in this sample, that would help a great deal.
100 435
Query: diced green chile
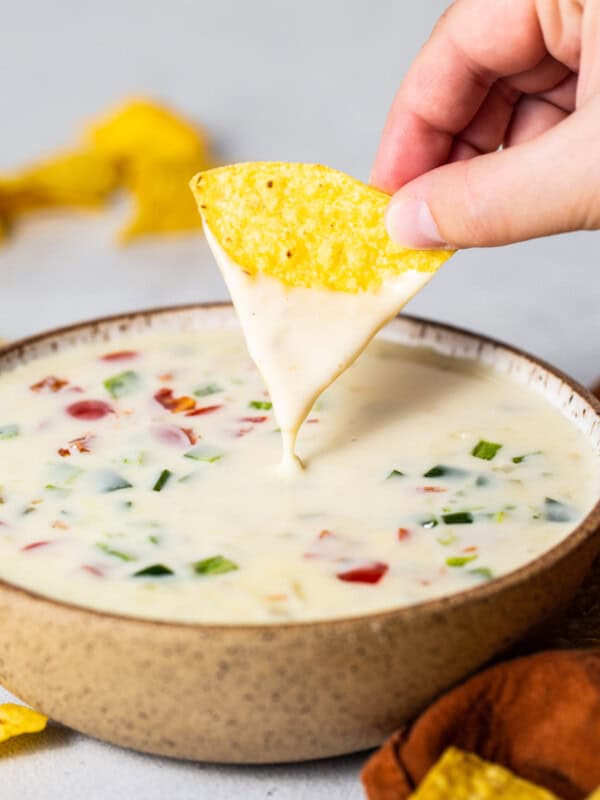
110 481
111 551
458 518
485 450
216 565
122 384
204 452
444 471
9 431
207 390
261 405
459 561
162 480
153 571
395 473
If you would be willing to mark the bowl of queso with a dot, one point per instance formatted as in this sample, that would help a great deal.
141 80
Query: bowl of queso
165 587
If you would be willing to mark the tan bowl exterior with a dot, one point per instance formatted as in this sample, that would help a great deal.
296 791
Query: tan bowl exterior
273 693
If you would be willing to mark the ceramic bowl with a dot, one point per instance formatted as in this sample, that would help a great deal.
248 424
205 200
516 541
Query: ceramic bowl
281 692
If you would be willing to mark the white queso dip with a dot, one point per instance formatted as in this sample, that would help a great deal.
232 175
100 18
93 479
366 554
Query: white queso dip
141 476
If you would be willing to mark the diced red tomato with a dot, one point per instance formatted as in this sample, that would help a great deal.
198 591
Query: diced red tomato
49 384
403 533
171 434
35 545
371 573
93 570
198 412
120 355
89 410
312 420
176 405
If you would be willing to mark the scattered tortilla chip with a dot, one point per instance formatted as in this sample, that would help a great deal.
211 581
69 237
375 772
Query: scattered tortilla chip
78 178
15 720
595 795
306 224
161 197
464 776
140 129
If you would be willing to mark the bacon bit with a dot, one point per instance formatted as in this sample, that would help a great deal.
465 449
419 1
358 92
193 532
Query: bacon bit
89 409
175 405
60 525
254 420
372 573
171 434
120 355
430 489
205 410
93 570
49 384
312 420
403 533
35 545
471 549
76 446
165 377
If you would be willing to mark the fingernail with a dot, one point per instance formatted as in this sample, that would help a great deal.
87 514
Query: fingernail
410 223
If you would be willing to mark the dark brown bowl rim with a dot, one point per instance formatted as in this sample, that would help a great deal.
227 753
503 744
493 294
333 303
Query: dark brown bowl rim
588 526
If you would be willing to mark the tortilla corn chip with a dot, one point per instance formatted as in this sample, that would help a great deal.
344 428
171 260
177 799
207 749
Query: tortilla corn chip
161 197
141 129
464 776
15 720
305 224
77 178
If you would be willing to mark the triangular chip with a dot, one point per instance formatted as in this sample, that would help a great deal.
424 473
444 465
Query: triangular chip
311 271
15 720
464 776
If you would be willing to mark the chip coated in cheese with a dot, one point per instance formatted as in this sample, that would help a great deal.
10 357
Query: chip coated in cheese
311 271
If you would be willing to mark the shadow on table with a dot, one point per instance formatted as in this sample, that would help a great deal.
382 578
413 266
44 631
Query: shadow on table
53 738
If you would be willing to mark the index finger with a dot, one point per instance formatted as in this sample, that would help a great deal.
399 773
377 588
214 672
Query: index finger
474 43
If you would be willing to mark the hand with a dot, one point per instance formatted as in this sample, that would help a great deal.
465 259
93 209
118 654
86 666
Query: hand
524 74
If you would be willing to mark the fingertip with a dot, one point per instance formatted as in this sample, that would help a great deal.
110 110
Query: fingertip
410 223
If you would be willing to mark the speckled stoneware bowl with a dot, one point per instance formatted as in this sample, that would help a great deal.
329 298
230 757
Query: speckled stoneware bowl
281 692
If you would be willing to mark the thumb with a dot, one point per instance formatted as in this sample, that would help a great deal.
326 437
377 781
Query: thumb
547 185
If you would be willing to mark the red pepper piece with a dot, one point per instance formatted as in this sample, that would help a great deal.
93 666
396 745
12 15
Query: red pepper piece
89 409
403 533
254 420
430 489
120 355
176 405
198 412
372 573
35 545
49 384
80 445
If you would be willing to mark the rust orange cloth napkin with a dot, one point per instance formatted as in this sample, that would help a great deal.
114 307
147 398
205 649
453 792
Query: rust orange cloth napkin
539 716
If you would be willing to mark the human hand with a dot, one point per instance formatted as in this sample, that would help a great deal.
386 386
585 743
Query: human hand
524 74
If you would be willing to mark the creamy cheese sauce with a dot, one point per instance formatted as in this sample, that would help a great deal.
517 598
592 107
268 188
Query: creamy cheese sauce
141 477
301 339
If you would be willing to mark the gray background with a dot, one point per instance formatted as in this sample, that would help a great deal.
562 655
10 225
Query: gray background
306 81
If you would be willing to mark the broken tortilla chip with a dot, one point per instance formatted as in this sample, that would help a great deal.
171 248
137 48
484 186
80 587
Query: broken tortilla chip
15 720
464 776
141 129
77 178
306 225
161 198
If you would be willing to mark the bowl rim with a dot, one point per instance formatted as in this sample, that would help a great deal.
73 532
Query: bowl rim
586 528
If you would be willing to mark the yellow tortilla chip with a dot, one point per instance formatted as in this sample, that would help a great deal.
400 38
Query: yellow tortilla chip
78 178
141 129
305 224
595 795
161 197
464 776
15 720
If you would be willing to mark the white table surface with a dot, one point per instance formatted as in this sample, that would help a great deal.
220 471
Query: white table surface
307 81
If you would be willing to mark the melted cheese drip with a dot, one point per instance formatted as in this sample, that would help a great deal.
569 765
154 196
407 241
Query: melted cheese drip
302 339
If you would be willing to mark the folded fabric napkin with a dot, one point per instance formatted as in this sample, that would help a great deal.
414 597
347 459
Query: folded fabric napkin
538 716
